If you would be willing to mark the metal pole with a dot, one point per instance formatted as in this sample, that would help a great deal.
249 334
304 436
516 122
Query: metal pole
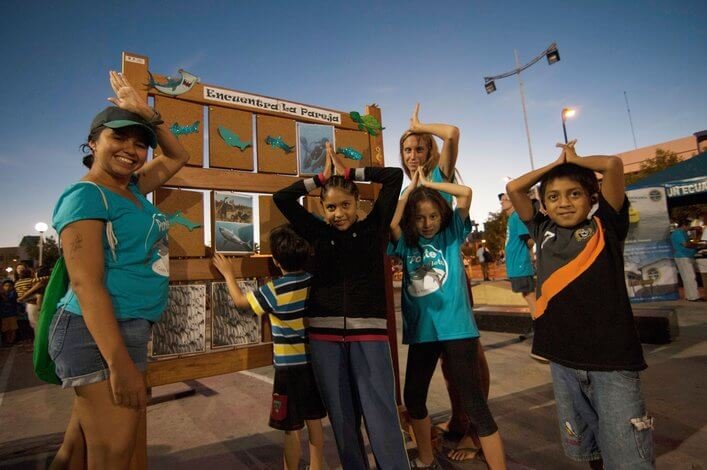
41 246
630 121
564 128
525 112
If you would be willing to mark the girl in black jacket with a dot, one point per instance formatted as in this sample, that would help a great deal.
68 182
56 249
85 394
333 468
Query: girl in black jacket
346 317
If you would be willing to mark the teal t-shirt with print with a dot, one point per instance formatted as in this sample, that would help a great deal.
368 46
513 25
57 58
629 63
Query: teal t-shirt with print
137 278
518 262
435 298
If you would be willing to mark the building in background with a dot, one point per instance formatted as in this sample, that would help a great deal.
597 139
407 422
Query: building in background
684 147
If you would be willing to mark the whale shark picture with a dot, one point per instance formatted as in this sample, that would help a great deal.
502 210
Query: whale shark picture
178 130
174 86
233 222
233 238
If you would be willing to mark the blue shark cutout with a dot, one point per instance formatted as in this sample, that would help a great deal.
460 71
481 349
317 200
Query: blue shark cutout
178 130
174 86
178 218
350 152
277 142
232 139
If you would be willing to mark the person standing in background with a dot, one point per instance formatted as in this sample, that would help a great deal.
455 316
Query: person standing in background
684 252
482 254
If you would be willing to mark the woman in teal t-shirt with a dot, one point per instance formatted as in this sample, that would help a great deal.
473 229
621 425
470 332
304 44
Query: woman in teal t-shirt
115 248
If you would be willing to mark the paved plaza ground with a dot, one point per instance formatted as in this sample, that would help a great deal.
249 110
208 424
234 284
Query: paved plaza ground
224 424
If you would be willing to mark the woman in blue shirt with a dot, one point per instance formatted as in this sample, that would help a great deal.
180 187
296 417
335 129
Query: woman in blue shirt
114 244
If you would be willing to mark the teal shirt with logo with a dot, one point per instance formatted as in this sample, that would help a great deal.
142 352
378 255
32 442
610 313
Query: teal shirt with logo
435 298
137 278
518 262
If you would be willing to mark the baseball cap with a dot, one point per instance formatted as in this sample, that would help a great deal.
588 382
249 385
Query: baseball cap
116 118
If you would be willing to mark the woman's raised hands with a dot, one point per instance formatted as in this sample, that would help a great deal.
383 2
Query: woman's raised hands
126 97
415 119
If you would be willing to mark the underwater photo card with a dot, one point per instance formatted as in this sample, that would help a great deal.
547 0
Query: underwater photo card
233 223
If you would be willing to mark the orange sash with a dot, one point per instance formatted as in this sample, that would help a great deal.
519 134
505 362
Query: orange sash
571 271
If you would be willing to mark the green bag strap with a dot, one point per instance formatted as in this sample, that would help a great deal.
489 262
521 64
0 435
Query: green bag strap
110 236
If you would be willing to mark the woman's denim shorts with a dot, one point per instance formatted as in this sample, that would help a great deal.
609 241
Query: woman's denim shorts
76 356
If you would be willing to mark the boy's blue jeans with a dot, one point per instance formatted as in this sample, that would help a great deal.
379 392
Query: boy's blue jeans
602 415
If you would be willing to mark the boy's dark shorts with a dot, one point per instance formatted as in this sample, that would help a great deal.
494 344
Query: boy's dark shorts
295 398
524 285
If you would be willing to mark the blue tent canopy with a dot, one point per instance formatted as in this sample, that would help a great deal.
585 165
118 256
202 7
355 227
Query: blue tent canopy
687 178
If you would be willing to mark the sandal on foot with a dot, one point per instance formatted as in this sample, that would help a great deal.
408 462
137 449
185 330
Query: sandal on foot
467 453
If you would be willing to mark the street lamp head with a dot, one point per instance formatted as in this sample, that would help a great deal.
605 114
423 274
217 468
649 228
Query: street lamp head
568 113
490 87
41 227
552 55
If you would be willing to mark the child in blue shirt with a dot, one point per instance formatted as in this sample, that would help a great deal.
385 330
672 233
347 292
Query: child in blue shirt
437 315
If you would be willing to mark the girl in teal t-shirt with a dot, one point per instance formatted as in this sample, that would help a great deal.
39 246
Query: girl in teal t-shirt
437 315
115 248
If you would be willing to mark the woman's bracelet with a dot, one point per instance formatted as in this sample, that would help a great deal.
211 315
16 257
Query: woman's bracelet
156 118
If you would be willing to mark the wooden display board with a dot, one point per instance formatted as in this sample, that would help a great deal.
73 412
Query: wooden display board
270 218
273 159
183 115
237 125
231 169
359 141
182 241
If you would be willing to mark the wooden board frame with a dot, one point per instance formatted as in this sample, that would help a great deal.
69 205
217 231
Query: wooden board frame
221 155
183 242
184 114
135 68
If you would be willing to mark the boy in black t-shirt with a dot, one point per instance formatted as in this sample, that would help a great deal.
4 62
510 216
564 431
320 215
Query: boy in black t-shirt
583 319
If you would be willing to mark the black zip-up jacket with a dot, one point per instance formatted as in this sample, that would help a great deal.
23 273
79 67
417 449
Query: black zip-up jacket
347 298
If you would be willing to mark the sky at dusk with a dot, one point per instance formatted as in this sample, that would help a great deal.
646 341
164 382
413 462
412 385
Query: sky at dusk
344 55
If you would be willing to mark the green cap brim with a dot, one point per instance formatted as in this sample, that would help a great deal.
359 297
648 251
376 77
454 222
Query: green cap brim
117 124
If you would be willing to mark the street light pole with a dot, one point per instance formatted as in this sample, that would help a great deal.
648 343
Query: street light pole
566 112
41 227
525 112
552 55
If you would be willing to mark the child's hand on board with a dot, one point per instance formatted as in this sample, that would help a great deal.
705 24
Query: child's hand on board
223 264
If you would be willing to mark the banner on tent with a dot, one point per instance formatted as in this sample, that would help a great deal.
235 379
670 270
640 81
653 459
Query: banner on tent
686 187
650 272
648 215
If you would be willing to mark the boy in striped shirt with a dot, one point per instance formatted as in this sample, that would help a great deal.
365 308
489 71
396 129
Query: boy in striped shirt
296 399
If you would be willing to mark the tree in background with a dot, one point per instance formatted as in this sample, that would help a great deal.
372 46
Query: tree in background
50 250
495 231
663 159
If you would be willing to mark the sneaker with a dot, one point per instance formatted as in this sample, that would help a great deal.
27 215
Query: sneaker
416 463
527 335
539 358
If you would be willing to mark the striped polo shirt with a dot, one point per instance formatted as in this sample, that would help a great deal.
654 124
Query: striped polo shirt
285 300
